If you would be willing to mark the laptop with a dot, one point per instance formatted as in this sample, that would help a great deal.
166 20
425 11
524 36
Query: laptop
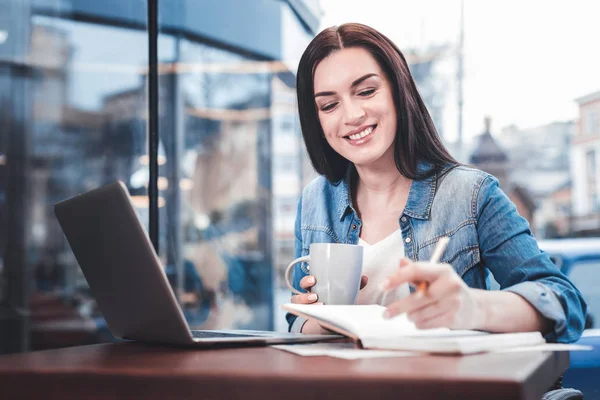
128 281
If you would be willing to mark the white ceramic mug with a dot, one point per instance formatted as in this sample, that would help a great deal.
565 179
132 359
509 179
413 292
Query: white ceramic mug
336 267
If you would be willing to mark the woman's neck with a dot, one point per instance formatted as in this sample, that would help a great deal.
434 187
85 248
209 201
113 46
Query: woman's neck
381 185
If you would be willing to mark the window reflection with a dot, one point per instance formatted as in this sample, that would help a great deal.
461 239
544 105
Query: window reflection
219 139
71 120
73 116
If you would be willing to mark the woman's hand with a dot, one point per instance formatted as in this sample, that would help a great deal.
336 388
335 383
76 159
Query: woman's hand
447 302
311 326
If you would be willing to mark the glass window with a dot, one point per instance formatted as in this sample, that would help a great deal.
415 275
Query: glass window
591 122
72 118
232 148
215 130
591 163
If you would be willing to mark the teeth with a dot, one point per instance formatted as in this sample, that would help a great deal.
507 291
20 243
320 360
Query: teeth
362 134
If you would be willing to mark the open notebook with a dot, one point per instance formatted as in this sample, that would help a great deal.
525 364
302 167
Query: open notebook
366 325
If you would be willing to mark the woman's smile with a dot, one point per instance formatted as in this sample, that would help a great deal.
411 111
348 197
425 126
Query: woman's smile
361 137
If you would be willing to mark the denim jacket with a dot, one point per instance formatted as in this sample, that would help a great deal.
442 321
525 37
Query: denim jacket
486 235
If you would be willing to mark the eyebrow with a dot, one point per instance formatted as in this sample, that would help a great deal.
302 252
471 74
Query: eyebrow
354 84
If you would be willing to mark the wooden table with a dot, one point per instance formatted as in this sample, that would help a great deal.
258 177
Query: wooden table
137 371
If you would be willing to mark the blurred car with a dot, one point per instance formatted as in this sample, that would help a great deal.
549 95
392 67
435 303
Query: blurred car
579 259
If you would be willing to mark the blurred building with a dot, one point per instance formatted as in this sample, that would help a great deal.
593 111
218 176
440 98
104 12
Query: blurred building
490 157
584 160
555 213
539 161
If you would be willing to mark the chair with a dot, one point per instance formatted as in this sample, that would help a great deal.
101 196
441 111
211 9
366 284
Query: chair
557 392
563 394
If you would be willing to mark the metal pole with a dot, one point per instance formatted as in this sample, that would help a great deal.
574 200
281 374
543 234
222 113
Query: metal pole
459 76
153 120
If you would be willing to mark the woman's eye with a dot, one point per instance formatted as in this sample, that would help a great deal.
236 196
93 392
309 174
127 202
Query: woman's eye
328 107
366 93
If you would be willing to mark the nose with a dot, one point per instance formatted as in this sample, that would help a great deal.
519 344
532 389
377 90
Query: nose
354 113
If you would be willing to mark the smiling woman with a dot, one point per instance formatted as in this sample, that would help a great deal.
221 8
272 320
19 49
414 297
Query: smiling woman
357 115
367 85
389 185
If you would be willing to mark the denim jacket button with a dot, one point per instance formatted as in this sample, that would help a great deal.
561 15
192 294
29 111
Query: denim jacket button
403 219
408 240
354 226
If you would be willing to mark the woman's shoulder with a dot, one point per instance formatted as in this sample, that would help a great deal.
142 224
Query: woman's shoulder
466 176
463 181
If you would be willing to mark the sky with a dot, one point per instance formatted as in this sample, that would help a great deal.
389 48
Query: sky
525 62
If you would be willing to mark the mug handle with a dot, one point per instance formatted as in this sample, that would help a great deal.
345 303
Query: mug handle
289 268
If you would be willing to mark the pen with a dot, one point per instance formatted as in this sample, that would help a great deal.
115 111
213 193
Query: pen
435 258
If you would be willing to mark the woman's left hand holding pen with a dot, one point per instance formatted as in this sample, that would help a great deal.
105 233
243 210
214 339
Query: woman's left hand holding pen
447 301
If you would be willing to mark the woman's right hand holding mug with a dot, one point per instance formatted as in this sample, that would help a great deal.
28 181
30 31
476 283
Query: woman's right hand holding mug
311 326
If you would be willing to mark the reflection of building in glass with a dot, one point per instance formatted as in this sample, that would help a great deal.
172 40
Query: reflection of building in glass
584 159
229 113
73 117
288 157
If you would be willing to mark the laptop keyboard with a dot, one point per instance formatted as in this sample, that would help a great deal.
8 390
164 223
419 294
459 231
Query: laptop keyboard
209 334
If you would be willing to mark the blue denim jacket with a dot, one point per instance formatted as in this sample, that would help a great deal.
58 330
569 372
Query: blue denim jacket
486 235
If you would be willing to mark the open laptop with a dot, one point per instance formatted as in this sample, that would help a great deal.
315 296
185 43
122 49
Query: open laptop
128 281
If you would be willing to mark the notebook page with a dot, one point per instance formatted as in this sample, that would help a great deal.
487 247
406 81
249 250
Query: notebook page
340 316
366 321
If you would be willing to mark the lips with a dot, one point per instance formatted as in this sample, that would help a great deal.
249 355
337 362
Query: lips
360 136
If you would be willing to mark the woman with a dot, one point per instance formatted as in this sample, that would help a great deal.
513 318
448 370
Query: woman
388 183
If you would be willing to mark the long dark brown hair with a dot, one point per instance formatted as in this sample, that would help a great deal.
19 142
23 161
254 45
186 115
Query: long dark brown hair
416 137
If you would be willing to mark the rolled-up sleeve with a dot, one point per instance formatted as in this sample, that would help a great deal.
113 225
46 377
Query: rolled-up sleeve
545 300
296 324
510 252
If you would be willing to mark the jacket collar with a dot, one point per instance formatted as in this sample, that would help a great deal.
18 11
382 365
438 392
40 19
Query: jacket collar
421 193
420 197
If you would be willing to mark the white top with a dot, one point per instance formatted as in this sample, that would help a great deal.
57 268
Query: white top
380 260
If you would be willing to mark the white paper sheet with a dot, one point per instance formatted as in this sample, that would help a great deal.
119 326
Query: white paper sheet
346 350
349 351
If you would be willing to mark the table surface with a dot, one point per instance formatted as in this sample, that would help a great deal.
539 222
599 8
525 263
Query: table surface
135 370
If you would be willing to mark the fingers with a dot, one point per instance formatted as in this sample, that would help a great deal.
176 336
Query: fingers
429 314
404 262
310 298
443 282
307 282
363 281
443 320
441 292
445 286
306 298
407 304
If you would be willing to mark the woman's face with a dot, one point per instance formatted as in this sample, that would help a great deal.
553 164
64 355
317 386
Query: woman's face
355 106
